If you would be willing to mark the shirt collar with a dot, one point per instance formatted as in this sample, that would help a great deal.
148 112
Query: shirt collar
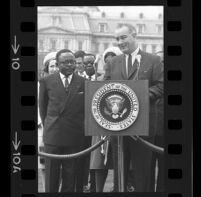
92 77
83 74
64 77
134 53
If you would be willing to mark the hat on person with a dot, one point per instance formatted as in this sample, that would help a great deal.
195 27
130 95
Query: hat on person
47 58
113 49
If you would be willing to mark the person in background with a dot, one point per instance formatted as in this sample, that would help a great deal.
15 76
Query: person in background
157 182
79 56
49 67
102 158
61 105
83 162
49 64
89 67
161 55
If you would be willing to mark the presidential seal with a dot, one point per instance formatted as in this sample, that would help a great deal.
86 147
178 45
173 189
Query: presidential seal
115 106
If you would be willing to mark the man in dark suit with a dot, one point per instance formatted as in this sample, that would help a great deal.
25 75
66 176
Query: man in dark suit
134 64
61 103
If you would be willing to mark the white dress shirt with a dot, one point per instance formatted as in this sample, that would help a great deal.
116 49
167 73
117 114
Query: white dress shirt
63 78
93 77
83 74
133 55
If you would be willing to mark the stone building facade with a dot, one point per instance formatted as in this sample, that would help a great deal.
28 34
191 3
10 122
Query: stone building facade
92 30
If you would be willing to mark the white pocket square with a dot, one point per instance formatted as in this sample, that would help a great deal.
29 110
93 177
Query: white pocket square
80 92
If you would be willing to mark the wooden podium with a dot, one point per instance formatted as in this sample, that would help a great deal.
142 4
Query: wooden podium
117 107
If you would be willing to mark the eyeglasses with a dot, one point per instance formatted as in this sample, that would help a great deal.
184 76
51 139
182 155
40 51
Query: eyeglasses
79 63
67 62
89 62
123 37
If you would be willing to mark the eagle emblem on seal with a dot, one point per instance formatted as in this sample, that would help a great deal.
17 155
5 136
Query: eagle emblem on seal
114 106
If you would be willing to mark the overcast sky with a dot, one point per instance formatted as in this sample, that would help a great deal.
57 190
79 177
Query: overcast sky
148 11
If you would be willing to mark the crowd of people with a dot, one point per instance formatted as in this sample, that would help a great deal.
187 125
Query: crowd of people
61 116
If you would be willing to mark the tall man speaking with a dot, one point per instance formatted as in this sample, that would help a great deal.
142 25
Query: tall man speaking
134 64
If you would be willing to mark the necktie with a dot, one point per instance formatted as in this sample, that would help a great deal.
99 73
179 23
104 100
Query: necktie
66 84
129 64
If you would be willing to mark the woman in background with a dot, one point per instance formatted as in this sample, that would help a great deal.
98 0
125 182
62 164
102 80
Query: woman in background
49 67
49 64
102 158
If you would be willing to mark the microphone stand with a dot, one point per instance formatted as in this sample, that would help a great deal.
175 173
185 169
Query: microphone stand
96 68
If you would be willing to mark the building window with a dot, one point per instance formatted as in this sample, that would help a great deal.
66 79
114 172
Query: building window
80 43
160 16
97 47
103 14
144 47
162 47
159 28
66 44
102 27
53 45
141 15
56 20
141 28
153 48
122 15
106 45
41 45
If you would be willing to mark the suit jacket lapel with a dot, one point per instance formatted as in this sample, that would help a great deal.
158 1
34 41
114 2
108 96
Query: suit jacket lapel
73 88
122 65
60 82
134 68
142 61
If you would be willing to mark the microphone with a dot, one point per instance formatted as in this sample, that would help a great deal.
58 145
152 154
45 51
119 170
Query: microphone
98 57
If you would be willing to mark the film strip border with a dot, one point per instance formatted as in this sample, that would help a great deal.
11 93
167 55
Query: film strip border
178 98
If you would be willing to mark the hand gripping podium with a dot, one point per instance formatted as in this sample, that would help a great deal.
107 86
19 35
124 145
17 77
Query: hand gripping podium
117 107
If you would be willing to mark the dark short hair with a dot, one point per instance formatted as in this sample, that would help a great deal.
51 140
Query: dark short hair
130 27
109 54
79 53
62 51
89 54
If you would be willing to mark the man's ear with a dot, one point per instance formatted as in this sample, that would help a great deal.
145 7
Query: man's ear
134 34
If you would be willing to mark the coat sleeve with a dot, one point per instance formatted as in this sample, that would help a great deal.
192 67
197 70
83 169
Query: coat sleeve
43 100
107 75
156 89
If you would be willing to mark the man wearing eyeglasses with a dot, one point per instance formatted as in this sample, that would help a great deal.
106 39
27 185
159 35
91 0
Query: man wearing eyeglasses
79 58
135 64
61 103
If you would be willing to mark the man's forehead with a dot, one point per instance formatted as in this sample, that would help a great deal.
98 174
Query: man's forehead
66 55
121 31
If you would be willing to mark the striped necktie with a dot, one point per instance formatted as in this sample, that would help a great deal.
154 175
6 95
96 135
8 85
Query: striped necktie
129 64
66 84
